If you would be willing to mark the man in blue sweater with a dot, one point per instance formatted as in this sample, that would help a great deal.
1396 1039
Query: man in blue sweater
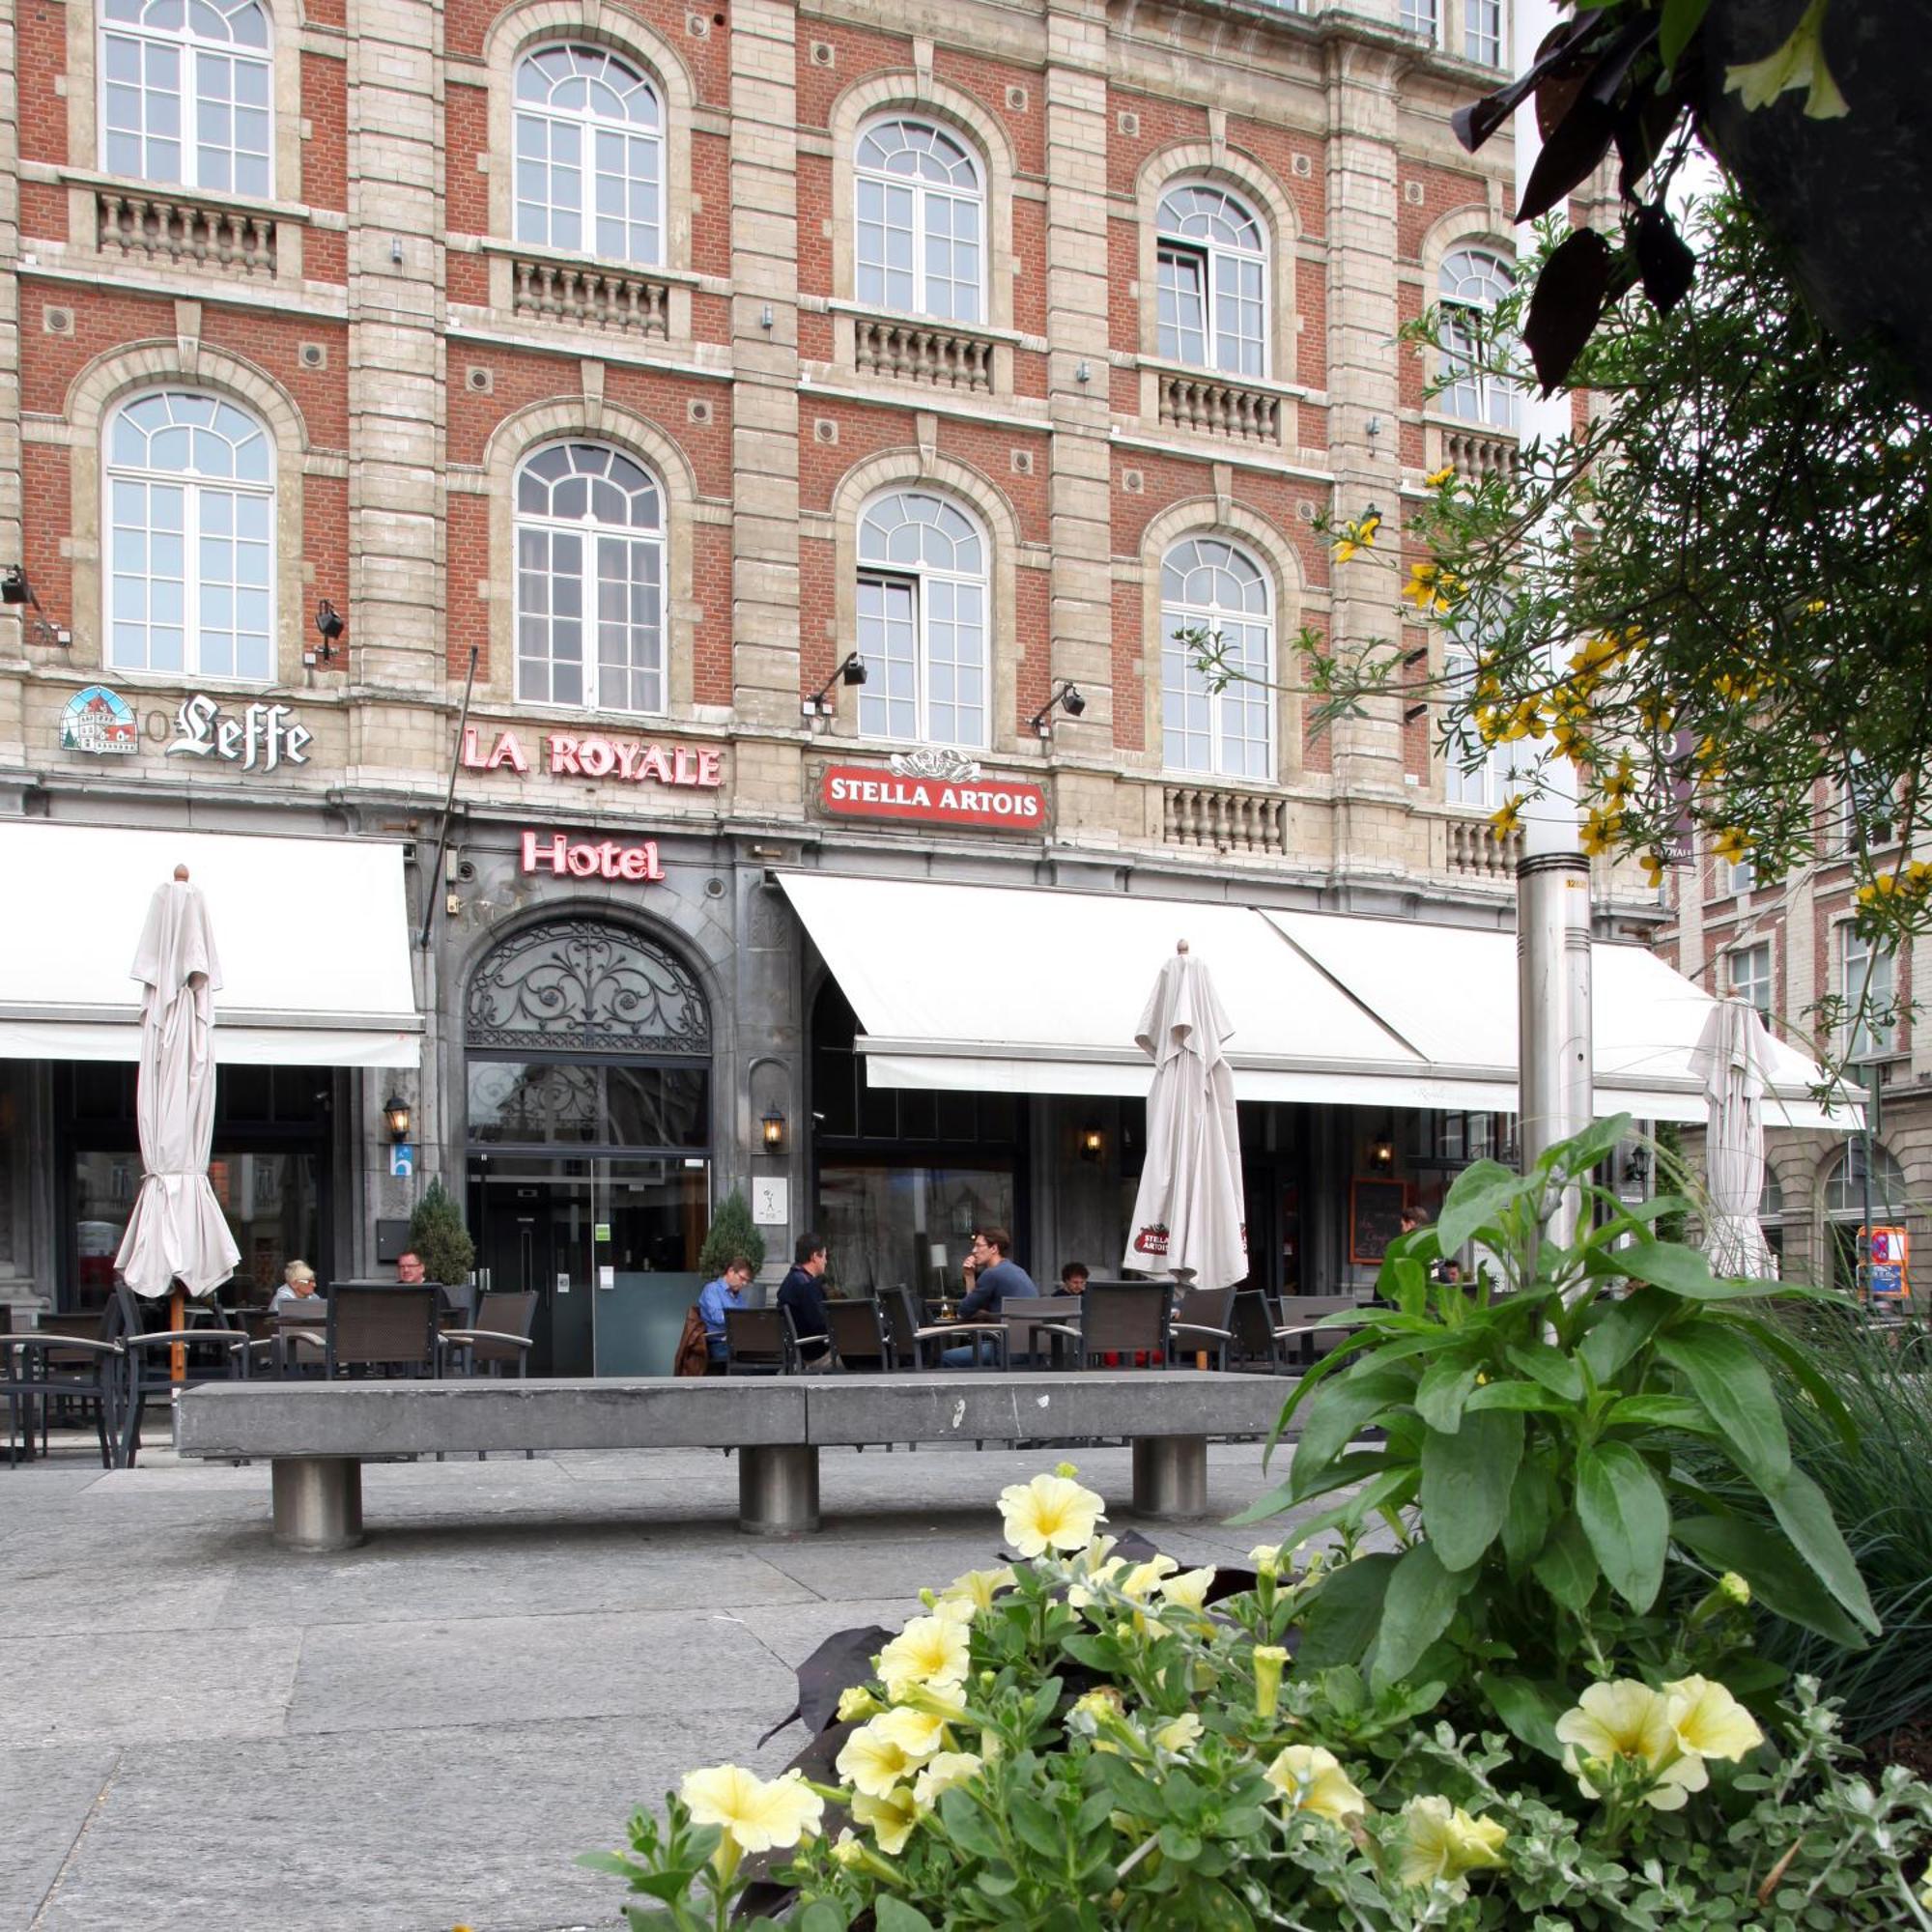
993 1278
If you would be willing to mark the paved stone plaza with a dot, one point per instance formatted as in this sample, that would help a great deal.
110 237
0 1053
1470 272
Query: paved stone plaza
199 1734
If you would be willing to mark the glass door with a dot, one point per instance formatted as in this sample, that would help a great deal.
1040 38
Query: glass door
535 1237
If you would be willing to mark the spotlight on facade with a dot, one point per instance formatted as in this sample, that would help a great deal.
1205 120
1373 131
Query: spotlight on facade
14 587
330 625
851 671
1067 698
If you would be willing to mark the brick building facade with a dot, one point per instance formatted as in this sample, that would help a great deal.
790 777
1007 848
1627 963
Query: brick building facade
991 342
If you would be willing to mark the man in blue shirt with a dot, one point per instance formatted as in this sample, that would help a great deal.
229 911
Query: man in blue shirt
726 1292
993 1278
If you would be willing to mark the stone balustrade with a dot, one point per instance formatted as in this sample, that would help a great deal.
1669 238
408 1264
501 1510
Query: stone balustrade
937 354
1209 819
1475 852
1478 454
1218 406
629 301
156 227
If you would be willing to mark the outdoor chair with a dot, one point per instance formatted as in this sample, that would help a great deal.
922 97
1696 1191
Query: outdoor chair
210 1353
1252 1322
1123 1319
1201 1326
1027 1316
860 1343
1304 1339
43 1367
903 1323
499 1344
759 1342
380 1328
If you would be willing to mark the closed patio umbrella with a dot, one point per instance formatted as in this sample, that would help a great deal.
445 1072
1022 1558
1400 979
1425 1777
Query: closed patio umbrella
176 1234
1731 1058
1188 1217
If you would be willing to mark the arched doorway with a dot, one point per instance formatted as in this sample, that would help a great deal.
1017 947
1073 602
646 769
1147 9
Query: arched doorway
1862 1187
587 1077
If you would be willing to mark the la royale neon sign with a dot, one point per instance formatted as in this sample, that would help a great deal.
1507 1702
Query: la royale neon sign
590 755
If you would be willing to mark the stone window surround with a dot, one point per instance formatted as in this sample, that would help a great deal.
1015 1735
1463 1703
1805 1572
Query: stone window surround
1218 165
522 30
1472 225
1209 516
86 150
119 376
915 94
920 469
591 419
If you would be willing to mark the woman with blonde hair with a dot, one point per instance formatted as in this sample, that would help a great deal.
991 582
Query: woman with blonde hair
297 1287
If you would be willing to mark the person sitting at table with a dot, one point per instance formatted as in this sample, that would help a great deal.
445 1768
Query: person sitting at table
992 1278
801 1295
298 1292
1074 1278
726 1292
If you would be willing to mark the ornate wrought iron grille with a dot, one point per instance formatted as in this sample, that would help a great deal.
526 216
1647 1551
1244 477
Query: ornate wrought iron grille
583 986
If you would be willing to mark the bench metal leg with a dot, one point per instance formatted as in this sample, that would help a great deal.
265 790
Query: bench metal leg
318 1502
1171 1477
778 1490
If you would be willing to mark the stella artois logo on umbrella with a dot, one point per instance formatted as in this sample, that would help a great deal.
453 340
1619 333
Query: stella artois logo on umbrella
1152 1240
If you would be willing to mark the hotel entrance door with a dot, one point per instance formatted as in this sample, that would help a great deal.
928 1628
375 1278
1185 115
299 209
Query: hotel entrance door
535 1237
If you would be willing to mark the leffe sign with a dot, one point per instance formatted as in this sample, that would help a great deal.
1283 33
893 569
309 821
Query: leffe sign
261 738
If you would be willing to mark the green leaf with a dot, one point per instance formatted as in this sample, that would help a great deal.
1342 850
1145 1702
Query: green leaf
1567 1569
1392 1489
1779 1578
1622 1508
1580 1152
1404 1281
1422 1598
1818 1387
1532 1507
1336 1416
1661 1411
1481 1192
1680 1271
1621 1329
827 1915
1342 1619
1805 1518
1681 20
1727 1378
1465 1484
960 1812
1526 1398
1443 1391
1557 1372
1527 1708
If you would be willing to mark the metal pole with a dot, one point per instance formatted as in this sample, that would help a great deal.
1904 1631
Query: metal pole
434 898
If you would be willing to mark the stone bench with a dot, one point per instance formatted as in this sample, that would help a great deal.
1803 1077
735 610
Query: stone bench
317 1435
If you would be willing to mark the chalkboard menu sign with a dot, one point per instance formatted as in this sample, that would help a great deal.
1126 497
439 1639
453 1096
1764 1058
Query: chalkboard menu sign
1374 1217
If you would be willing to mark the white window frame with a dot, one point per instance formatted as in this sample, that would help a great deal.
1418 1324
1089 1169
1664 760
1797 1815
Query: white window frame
920 583
1862 965
1422 18
1485 25
1749 976
529 215
593 533
928 199
1226 349
1485 788
1844 1185
1473 279
198 490
1180 680
200 58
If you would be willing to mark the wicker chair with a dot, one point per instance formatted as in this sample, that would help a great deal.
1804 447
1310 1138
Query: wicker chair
1116 1318
860 1342
380 1328
759 1342
1200 1324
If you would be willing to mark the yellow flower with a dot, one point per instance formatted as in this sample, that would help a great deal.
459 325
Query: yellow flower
917 1733
1442 1843
870 1761
1657 714
1359 535
977 1588
1141 1581
1430 587
1621 781
1178 1734
891 1814
1799 63
1187 1591
1629 1720
1925 1895
1732 844
942 1772
1270 1658
857 1704
1267 1558
847 1851
929 1650
755 1816
1049 1513
1600 830
1438 479
1706 1720
1654 866
1506 818
1312 1779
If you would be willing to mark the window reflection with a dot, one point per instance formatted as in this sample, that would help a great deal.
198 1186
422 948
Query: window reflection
538 1103
889 1227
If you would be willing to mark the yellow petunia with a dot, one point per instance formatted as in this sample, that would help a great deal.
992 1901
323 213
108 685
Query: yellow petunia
929 1650
917 1733
1704 1717
870 1761
977 1588
943 1773
1312 1779
756 1815
856 1704
1629 1723
1442 1843
1269 1657
1799 62
891 1814
1506 818
1178 1734
1050 1513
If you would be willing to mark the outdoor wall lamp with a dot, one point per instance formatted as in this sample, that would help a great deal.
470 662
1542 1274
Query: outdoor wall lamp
396 1118
1093 1141
1067 698
851 671
1382 1152
773 1125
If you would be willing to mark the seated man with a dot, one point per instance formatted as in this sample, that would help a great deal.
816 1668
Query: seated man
726 1292
801 1295
992 1277
1074 1278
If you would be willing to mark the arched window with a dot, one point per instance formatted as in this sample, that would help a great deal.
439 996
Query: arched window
1846 1185
589 138
191 549
1213 280
1215 594
920 222
923 621
590 572
1474 280
185 93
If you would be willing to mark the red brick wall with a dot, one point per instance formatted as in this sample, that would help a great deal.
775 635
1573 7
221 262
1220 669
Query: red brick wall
856 53
1443 189
1163 124
465 116
47 514
40 46
324 155
467 545
42 212
1275 149
988 81
711 226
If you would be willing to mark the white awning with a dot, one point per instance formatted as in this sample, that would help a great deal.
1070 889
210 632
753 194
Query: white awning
1032 991
313 935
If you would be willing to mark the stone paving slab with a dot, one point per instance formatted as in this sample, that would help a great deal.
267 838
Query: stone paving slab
46 1793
